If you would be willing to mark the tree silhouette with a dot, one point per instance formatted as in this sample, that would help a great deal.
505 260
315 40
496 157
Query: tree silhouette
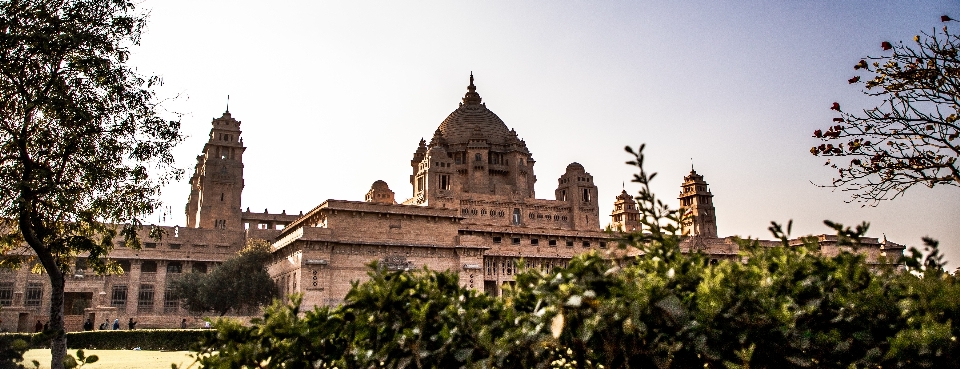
911 137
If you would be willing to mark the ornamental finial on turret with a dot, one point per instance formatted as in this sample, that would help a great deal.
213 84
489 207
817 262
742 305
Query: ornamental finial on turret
472 97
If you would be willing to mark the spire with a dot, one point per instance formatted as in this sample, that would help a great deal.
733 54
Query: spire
472 97
228 104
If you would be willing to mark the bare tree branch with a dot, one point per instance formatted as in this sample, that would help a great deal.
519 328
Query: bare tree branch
911 137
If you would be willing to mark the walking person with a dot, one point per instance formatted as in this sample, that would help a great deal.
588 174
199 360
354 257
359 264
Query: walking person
105 325
88 325
183 324
116 324
131 324
38 327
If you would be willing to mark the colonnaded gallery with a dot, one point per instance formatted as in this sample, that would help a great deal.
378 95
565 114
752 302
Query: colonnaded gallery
472 210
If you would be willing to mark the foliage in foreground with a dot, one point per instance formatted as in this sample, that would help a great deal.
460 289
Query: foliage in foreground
775 307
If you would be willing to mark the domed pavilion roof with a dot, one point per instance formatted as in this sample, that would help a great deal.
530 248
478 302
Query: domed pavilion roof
472 120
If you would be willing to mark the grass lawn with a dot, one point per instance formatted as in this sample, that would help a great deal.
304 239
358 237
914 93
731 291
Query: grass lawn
118 359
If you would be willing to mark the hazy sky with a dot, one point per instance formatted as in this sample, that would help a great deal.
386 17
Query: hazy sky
336 95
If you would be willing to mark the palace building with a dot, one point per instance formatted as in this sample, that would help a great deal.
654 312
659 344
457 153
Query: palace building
471 209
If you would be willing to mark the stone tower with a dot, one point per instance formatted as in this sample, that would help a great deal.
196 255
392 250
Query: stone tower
696 207
217 181
625 216
577 188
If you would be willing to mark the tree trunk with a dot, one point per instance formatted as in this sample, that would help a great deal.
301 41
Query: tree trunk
58 343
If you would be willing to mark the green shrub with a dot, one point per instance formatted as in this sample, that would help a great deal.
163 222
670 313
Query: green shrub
145 339
12 348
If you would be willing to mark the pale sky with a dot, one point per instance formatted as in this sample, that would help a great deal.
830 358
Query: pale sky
336 95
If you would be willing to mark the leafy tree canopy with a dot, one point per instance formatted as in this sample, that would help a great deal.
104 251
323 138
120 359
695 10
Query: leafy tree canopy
83 146
239 284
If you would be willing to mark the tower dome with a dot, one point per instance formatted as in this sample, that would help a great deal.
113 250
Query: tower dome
473 116
575 168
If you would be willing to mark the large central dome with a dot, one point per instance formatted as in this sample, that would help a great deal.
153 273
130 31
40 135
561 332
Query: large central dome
472 120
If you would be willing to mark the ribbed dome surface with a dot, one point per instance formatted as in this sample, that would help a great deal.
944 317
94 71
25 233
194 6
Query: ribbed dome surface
468 121
473 120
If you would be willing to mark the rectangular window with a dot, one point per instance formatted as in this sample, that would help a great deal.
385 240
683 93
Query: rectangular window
497 240
118 298
145 299
603 245
515 240
6 294
175 246
174 267
586 243
444 182
569 243
552 242
150 245
534 242
34 295
171 303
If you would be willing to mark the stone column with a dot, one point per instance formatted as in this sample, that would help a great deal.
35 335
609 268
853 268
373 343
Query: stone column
160 287
133 288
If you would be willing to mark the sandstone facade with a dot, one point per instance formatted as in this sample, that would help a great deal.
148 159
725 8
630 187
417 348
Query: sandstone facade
472 209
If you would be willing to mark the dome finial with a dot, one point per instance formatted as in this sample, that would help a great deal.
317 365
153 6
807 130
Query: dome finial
472 97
